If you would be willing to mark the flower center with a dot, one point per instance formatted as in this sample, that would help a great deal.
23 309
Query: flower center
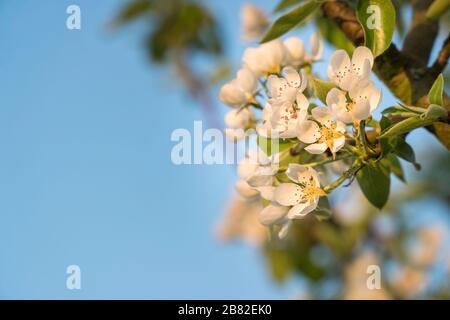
310 191
329 134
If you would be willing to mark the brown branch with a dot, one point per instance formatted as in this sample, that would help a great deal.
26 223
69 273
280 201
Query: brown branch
443 57
421 35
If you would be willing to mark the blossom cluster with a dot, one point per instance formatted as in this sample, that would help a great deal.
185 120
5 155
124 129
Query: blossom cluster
274 92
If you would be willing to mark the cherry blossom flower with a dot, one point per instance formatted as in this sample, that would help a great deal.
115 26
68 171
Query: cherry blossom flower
302 195
323 133
241 90
265 59
296 54
357 106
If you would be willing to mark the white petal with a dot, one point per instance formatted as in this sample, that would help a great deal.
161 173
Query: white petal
252 58
340 126
266 192
339 63
287 194
295 170
361 110
301 210
274 53
316 46
360 54
284 229
247 81
302 104
231 95
292 77
317 148
245 190
272 214
238 118
336 98
308 131
323 115
303 80
295 51
259 180
247 168
338 144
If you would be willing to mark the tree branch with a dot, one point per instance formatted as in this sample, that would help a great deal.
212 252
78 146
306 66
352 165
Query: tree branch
443 57
421 35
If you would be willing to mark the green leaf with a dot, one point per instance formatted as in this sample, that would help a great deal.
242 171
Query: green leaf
283 4
437 8
333 35
407 125
289 20
406 152
377 17
321 89
435 96
132 11
396 167
374 182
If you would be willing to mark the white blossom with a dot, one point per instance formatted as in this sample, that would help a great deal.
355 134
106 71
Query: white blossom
323 133
265 59
253 22
241 90
302 195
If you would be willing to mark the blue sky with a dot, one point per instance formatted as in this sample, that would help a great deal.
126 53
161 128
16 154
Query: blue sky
85 170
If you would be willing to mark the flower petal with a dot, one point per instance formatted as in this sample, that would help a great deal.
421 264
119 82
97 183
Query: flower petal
336 97
292 77
302 104
360 54
267 192
361 109
287 194
301 210
232 95
295 170
316 44
317 148
295 51
339 65
308 131
245 190
247 81
338 144
323 115
272 214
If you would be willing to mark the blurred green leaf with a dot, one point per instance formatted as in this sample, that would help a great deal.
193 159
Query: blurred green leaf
377 17
334 35
284 4
437 8
406 152
132 11
289 20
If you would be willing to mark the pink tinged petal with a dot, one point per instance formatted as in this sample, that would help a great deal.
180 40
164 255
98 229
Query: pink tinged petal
338 144
231 95
294 170
287 194
360 54
247 81
317 148
245 190
323 115
272 214
308 131
361 110
301 210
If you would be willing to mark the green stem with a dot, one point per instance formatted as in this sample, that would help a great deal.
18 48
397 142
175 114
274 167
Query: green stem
325 161
347 174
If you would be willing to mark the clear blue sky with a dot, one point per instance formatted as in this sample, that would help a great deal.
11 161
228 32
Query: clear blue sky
85 170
